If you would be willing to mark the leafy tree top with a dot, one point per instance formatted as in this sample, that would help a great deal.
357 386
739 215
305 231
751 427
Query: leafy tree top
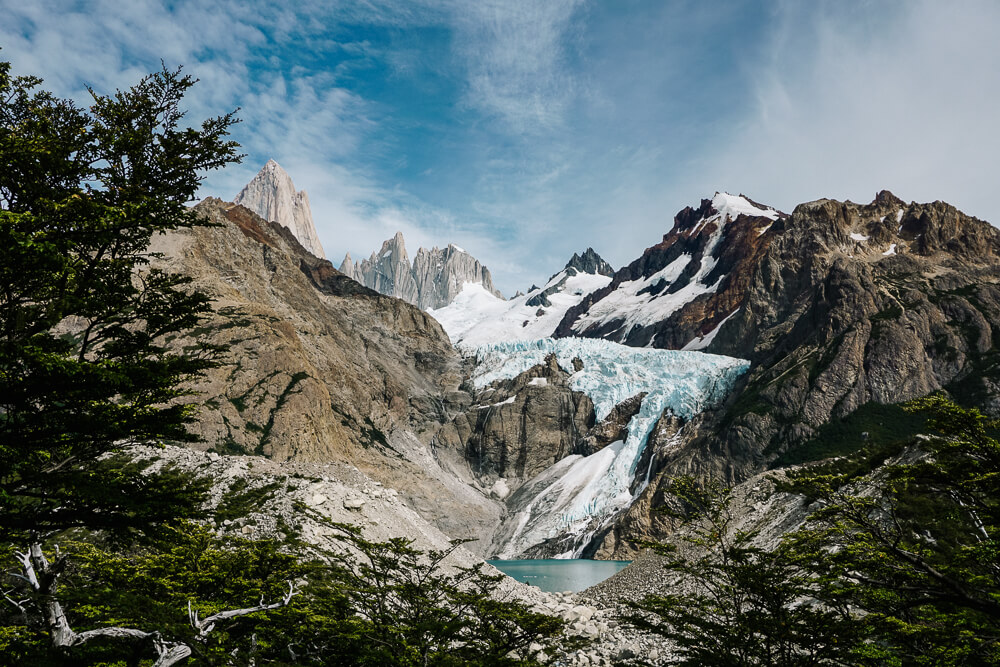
84 363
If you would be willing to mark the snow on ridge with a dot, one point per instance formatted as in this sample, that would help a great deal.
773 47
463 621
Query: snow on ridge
636 307
731 206
701 342
477 318
578 491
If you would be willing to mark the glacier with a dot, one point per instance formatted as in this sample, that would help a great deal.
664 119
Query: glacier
580 494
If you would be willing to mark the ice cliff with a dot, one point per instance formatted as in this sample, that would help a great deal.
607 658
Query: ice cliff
579 494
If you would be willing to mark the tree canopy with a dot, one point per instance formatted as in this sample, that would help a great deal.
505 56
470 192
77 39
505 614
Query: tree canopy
899 564
84 366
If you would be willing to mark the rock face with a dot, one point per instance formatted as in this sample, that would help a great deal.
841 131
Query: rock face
272 195
847 305
855 303
590 262
433 280
517 428
320 368
679 291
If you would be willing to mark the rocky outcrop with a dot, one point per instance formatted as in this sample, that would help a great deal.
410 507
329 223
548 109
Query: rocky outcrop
433 280
387 272
882 302
517 428
320 368
589 262
272 195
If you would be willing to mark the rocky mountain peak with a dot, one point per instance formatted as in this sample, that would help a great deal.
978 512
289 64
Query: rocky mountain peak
681 290
590 262
272 195
432 281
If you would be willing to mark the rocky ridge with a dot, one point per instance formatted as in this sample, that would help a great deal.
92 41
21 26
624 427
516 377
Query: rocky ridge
679 291
319 368
848 306
272 195
433 280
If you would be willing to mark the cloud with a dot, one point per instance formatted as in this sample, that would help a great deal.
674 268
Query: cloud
526 131
856 99
516 53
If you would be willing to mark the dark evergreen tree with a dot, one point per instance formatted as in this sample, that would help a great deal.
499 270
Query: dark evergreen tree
84 367
914 544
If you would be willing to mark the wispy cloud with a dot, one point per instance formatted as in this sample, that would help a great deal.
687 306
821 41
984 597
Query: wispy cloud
525 131
854 99
516 53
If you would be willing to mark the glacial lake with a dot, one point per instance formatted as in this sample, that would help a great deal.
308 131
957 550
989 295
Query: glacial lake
560 574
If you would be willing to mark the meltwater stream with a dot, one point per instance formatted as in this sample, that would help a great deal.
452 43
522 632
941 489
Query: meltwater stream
560 574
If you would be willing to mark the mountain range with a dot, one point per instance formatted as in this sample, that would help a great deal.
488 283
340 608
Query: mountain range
491 430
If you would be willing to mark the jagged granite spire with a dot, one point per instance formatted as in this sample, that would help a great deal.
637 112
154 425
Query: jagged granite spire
433 281
272 195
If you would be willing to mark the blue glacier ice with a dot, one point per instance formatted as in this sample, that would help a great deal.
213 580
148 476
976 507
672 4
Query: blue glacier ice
579 494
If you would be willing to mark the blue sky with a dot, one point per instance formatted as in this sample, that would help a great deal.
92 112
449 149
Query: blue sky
526 131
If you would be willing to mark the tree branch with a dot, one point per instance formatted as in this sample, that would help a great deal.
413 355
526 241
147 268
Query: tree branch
204 626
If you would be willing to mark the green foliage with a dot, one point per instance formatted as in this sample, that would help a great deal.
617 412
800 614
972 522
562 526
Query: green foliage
240 500
887 427
921 555
900 565
84 367
414 609
737 604
384 604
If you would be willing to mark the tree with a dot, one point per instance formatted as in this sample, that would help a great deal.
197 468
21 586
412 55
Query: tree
736 604
899 565
915 543
84 366
413 609
84 369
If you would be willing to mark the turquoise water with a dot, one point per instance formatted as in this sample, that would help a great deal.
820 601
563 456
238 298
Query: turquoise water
556 574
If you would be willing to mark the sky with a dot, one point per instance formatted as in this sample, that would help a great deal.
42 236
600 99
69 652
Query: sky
527 131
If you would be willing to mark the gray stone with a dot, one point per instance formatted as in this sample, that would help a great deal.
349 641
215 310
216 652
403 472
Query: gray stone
272 196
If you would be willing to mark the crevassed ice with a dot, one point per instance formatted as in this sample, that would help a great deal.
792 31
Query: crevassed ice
578 490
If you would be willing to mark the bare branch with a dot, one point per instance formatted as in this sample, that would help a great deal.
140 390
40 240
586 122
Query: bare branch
208 624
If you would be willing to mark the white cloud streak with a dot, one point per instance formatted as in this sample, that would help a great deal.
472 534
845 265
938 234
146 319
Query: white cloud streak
853 102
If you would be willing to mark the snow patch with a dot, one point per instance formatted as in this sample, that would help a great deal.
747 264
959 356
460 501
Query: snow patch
476 317
539 382
731 206
899 215
890 251
859 237
496 405
701 342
